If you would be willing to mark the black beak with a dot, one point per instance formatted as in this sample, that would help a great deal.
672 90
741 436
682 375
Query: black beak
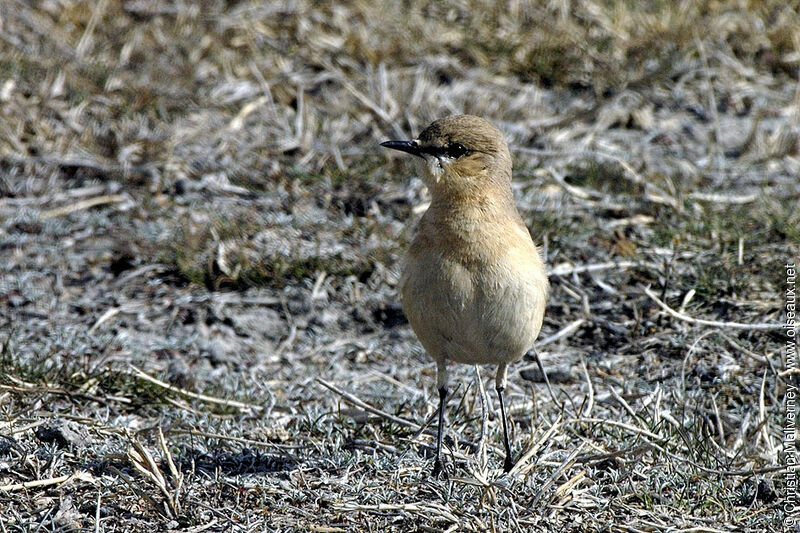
410 147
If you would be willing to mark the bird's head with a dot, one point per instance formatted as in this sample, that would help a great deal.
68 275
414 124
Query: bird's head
464 155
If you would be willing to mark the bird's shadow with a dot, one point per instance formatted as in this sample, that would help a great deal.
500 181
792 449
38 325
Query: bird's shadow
191 460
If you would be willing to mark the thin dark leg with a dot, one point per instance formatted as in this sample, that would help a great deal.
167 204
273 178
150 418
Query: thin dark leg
509 463
437 462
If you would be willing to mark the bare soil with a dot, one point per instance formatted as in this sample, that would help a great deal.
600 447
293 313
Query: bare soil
200 241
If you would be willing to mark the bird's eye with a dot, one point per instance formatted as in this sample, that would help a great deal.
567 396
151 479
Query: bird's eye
456 150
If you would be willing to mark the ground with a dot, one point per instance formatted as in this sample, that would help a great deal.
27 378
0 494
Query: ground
200 242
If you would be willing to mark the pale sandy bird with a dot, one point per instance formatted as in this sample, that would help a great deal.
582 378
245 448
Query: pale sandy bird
474 286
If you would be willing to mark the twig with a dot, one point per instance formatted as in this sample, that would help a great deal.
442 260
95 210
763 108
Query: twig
282 448
762 417
625 405
717 198
652 192
144 462
687 357
578 192
209 399
700 321
238 121
571 482
138 272
97 512
568 462
718 418
421 508
635 220
129 481
352 400
84 204
712 103
611 422
74 164
364 99
86 38
69 194
563 332
9 430
748 353
521 467
80 475
108 315
580 269
326 529
238 299
349 398
177 476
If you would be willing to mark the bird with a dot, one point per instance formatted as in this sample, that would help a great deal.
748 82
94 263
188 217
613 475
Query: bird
474 286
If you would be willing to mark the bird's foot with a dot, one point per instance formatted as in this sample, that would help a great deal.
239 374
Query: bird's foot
438 469
508 464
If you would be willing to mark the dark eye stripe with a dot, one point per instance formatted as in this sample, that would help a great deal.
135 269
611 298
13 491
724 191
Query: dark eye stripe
452 150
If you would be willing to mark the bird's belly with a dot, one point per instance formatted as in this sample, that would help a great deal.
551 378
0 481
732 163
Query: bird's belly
474 316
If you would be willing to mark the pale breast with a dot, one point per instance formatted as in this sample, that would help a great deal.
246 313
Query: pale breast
475 308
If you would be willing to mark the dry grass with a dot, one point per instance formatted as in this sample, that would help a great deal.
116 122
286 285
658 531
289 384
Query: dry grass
196 224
